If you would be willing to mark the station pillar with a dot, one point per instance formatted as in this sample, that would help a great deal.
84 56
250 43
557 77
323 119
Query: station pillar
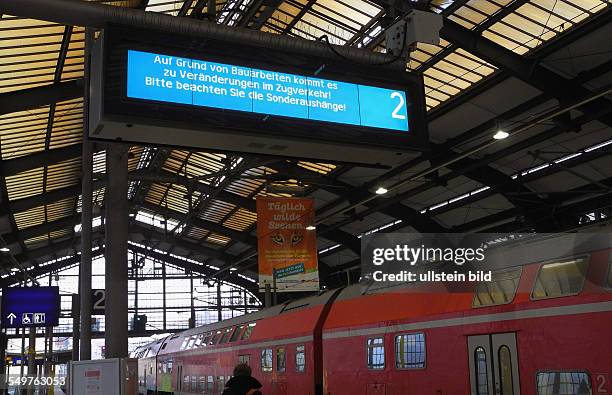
86 218
116 253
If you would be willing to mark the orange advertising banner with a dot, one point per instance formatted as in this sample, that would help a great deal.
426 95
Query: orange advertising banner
286 250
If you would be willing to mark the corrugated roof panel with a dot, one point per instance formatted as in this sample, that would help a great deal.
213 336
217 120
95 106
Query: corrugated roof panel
197 233
217 210
67 124
61 209
241 220
170 7
321 168
36 242
31 217
17 45
538 21
23 133
215 238
25 184
64 174
178 200
156 194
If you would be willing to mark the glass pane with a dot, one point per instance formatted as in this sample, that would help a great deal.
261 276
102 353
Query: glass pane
560 278
280 359
505 371
410 351
248 331
500 290
563 383
482 379
376 353
236 333
300 359
266 360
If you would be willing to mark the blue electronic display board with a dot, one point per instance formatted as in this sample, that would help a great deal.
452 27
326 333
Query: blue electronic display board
25 307
180 80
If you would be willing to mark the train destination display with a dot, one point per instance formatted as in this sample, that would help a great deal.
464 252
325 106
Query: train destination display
195 82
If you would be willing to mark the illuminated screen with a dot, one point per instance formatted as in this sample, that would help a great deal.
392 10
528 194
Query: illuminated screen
24 307
216 85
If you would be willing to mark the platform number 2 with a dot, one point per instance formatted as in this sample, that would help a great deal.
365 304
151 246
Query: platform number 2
98 299
601 383
402 103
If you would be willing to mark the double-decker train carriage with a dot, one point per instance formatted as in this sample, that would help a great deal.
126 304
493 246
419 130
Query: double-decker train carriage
542 325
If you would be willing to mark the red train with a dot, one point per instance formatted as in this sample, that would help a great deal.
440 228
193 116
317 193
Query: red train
542 326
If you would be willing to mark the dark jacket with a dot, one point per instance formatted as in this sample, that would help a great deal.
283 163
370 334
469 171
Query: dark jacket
241 385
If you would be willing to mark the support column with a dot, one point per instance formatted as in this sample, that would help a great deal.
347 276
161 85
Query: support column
32 357
219 304
86 217
116 225
192 319
76 332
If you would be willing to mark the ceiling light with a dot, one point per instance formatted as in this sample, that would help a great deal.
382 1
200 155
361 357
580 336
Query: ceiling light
500 135
5 249
381 190
14 269
311 227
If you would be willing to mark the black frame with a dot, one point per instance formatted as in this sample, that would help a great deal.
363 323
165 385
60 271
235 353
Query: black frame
118 107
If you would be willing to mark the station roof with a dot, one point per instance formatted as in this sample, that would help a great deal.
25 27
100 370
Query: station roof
500 64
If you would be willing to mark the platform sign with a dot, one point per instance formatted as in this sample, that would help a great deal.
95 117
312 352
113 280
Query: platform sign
286 250
27 307
98 301
158 77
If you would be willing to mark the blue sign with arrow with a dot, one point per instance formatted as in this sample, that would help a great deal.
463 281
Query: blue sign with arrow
27 307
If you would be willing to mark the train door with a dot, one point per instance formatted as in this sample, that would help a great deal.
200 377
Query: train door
179 379
494 364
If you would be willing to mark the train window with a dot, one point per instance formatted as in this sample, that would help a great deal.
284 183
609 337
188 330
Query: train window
202 386
563 383
210 384
207 338
500 290
376 353
505 370
300 358
191 343
281 360
236 333
226 336
266 360
215 337
184 343
194 383
410 351
560 278
185 382
248 331
482 377
244 359
220 384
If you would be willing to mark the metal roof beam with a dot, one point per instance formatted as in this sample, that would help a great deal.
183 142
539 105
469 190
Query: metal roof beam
10 167
528 70
27 99
204 224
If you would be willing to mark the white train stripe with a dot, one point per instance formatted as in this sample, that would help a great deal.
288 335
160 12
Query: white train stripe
598 307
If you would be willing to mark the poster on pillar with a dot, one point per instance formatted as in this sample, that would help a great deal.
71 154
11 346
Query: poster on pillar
287 244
